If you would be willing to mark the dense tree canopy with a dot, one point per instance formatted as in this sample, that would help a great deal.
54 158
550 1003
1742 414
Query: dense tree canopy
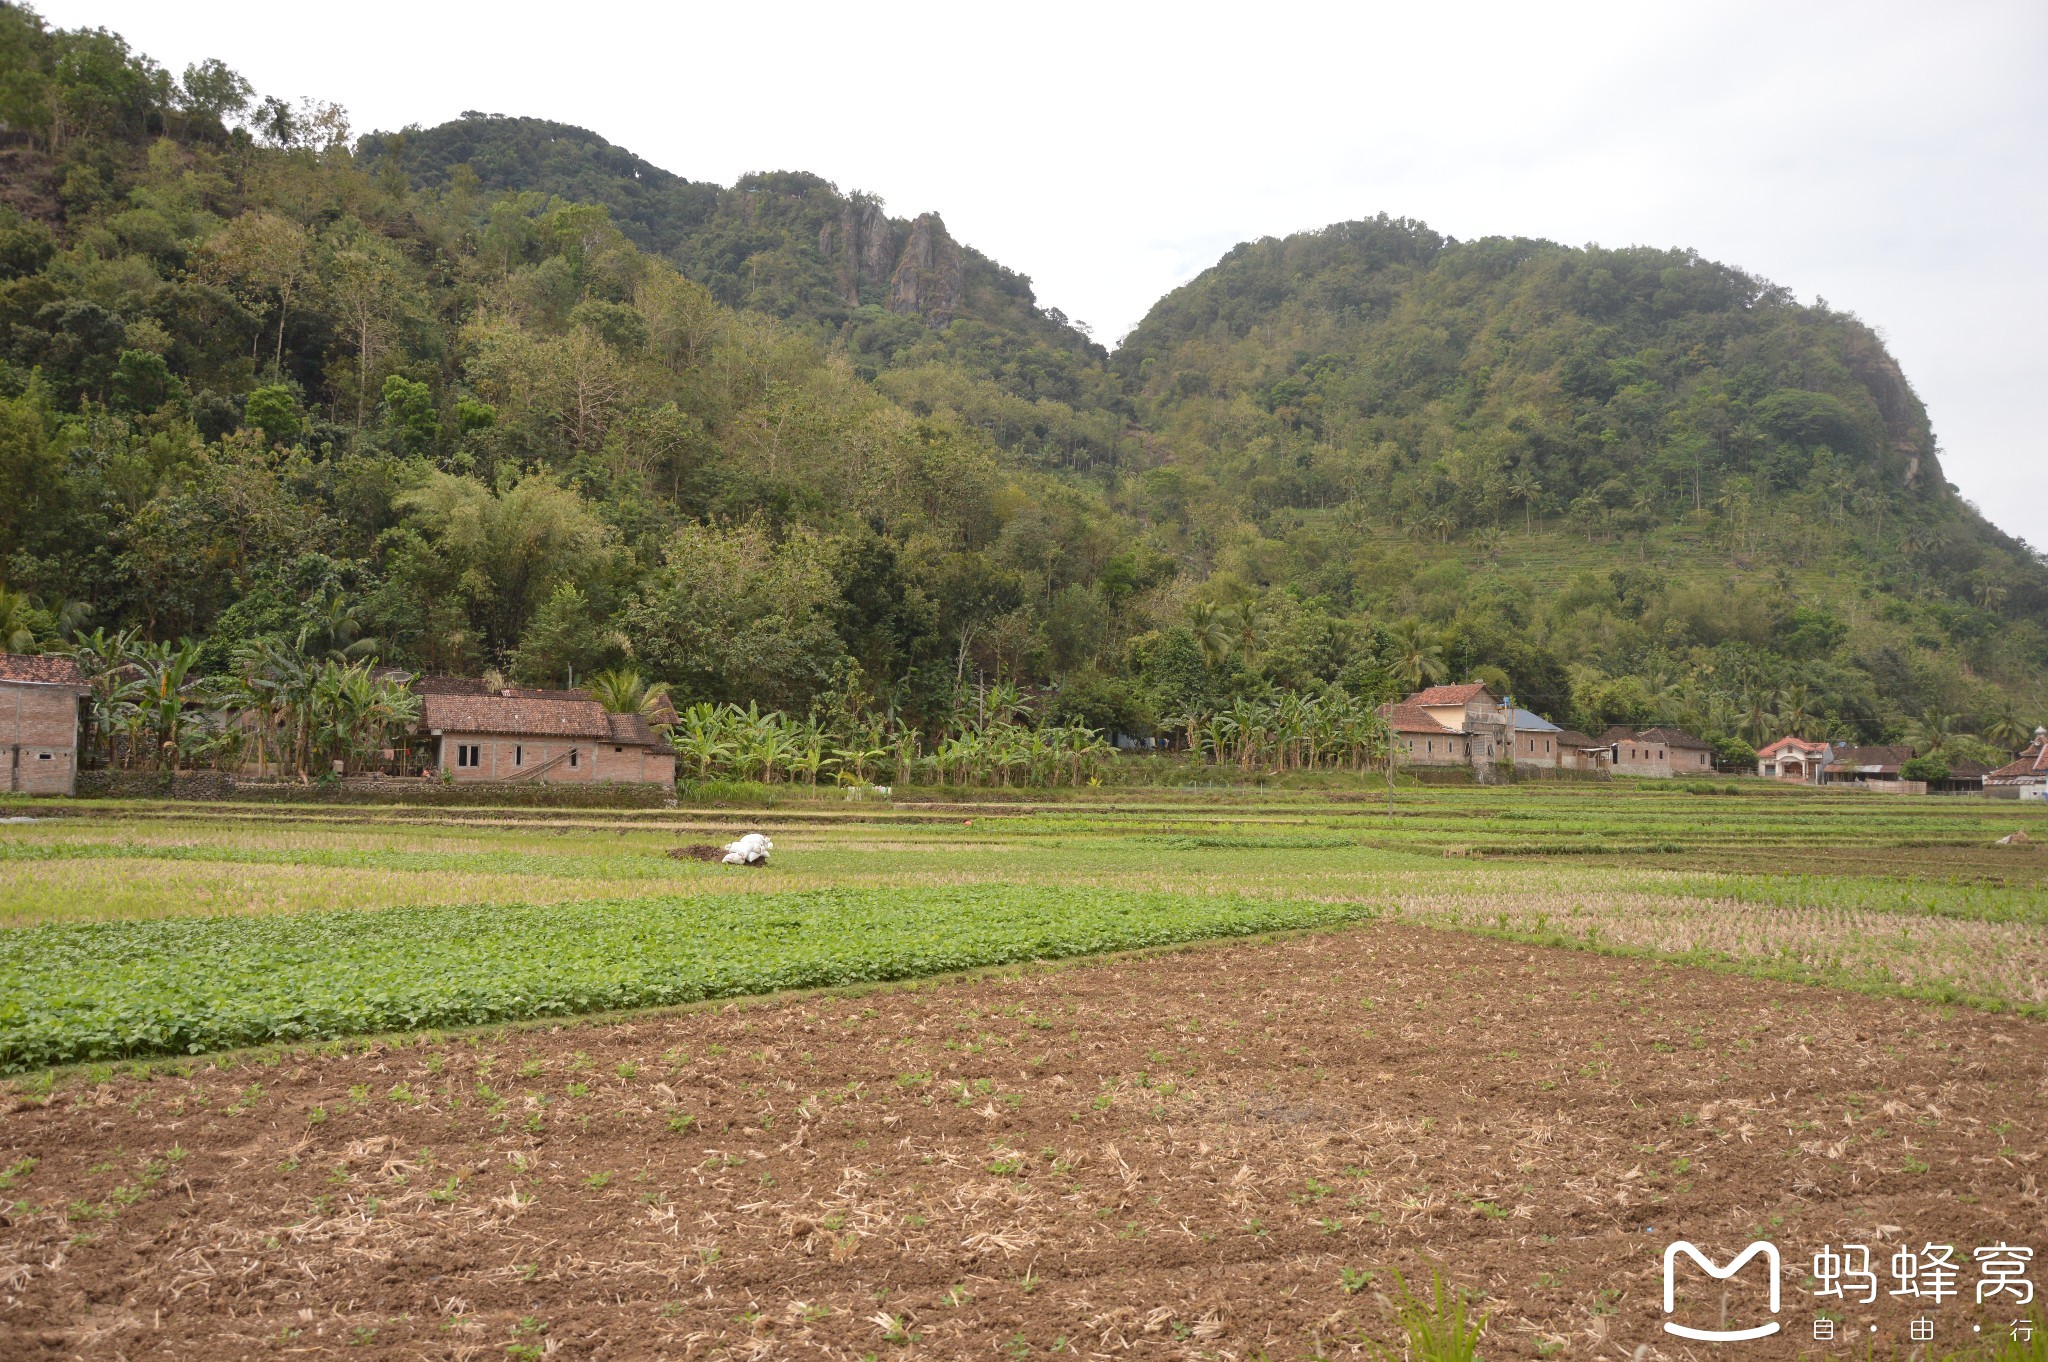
501 395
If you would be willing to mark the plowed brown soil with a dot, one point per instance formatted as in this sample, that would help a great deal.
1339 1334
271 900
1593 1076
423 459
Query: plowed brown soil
1177 1156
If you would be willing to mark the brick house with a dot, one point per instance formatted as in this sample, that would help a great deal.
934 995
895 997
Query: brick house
1578 751
1533 741
1879 767
1657 752
548 737
1452 726
2025 777
39 698
1420 740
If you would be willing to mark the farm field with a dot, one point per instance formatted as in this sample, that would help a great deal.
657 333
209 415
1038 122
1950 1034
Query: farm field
1523 1037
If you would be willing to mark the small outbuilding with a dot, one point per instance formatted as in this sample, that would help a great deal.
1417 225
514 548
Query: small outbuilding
39 723
547 737
1657 752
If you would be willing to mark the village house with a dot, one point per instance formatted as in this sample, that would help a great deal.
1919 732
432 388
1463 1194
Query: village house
1578 751
1877 767
39 700
1467 725
2023 778
1532 739
1795 760
1657 752
546 737
1451 726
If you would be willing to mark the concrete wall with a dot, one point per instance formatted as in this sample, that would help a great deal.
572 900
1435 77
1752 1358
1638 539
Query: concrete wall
1446 749
554 761
38 738
1632 758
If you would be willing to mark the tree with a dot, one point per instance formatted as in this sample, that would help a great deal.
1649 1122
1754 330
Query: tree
2003 725
623 690
1245 627
500 556
262 258
1418 659
1933 731
1523 487
1211 634
363 284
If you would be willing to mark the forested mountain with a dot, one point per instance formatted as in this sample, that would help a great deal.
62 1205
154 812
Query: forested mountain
501 394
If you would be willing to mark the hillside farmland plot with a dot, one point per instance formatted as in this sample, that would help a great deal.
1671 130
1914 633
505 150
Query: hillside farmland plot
1485 1046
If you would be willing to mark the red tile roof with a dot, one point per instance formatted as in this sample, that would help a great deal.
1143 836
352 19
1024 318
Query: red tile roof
1450 695
46 669
1794 745
1410 718
2032 764
514 716
631 730
1571 737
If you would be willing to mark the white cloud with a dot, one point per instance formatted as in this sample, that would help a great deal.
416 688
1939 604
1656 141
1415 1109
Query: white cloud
1889 157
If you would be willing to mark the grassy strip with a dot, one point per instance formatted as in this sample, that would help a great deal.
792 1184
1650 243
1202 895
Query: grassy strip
565 865
105 990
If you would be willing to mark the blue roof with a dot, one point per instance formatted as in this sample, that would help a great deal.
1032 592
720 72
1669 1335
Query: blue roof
1526 722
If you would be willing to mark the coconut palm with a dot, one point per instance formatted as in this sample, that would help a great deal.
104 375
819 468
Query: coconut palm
1418 659
622 690
1795 711
1246 628
1210 635
2003 725
1933 731
1523 487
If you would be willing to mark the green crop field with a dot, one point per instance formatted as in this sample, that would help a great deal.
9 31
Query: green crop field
153 929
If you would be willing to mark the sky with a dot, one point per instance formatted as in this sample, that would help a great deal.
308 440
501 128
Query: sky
1890 158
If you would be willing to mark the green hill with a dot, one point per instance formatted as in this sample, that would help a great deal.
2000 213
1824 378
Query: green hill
500 393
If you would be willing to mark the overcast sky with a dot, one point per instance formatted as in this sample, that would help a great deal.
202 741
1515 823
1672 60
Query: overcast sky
1890 158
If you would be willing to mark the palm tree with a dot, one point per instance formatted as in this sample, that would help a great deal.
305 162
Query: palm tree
1933 731
2003 725
1418 654
1523 487
1757 703
17 629
1795 710
1210 635
1990 593
1245 625
622 690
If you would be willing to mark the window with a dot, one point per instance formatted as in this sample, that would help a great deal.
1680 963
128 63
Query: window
42 756
518 755
1660 754
574 753
468 754
618 749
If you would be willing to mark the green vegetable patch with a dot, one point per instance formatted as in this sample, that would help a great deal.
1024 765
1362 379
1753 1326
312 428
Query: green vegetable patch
102 990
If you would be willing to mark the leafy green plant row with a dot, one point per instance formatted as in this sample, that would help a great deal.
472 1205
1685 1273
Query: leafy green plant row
82 991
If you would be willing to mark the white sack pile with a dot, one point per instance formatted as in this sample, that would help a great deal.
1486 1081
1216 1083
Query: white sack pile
751 849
